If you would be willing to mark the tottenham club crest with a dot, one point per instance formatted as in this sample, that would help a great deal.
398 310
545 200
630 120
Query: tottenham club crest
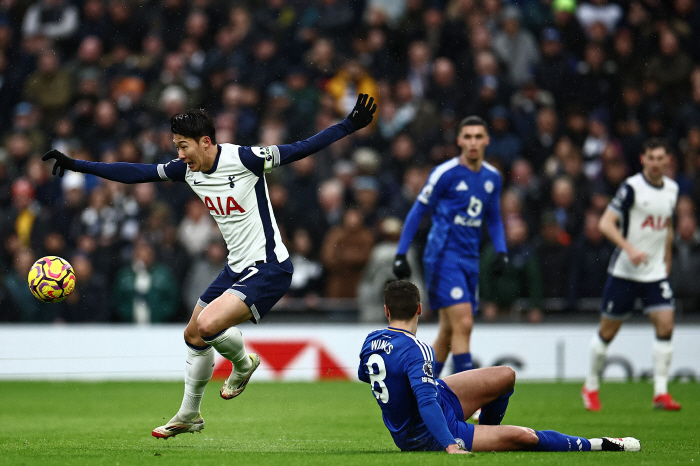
488 186
230 180
428 368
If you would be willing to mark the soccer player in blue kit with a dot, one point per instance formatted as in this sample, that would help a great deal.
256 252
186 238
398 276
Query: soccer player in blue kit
423 413
461 194
230 180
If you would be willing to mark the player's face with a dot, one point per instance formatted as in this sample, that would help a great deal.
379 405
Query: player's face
189 151
473 141
654 162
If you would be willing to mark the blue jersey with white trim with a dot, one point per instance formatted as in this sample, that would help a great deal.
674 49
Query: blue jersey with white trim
399 368
460 200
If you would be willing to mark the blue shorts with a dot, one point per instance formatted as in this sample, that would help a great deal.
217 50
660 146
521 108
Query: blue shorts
619 296
454 416
259 286
452 282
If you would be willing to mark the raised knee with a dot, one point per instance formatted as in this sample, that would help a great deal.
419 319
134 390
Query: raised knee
507 374
205 326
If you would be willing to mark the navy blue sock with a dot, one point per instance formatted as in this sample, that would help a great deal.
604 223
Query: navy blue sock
551 440
492 413
463 362
437 368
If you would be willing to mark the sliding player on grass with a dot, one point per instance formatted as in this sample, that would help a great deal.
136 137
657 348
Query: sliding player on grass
427 414
230 181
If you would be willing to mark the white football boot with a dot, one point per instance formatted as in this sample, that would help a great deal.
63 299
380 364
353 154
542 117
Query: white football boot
621 444
176 426
234 386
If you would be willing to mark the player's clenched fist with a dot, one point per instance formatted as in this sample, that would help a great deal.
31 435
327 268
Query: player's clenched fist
63 162
363 112
401 268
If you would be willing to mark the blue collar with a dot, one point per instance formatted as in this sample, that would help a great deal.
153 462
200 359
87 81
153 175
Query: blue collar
216 161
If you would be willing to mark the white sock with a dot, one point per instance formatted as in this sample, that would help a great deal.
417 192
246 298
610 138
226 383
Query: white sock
230 345
596 444
598 351
198 371
661 353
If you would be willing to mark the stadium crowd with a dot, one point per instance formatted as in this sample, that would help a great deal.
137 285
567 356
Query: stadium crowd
570 92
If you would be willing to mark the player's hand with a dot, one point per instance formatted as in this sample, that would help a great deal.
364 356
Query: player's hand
500 262
401 268
363 112
637 257
454 449
63 162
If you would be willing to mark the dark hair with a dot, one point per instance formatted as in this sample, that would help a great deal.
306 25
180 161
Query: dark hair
194 124
402 298
473 120
655 143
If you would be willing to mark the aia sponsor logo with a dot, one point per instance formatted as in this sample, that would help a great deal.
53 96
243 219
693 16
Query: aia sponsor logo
229 202
655 223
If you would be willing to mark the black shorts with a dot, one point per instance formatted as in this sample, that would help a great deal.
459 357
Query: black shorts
619 296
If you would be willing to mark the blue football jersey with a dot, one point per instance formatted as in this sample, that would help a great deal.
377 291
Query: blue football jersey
460 201
399 368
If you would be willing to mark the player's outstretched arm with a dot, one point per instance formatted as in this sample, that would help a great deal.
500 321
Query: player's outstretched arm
360 116
402 270
120 171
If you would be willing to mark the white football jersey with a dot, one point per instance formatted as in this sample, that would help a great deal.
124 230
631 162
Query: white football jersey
645 214
238 200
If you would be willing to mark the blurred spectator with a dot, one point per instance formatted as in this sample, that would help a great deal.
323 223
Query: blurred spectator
553 249
24 210
596 79
344 254
542 139
516 47
601 12
143 291
565 22
89 301
671 68
505 145
307 280
590 256
686 264
350 80
54 19
379 270
445 90
18 303
203 271
565 208
50 86
197 229
521 279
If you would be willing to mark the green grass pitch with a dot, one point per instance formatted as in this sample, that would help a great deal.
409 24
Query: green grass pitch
331 423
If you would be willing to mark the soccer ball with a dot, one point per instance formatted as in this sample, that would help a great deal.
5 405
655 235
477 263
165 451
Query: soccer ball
51 279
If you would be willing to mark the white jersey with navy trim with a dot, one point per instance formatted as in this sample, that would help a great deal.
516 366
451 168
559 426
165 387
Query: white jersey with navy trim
645 214
238 201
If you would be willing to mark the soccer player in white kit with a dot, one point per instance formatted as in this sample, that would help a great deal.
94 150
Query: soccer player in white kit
230 181
639 221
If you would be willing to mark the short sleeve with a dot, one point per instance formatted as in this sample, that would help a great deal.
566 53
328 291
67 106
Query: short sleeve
623 200
174 170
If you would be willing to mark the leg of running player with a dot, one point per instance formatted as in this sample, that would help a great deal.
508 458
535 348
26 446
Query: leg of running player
441 345
599 348
488 388
461 321
199 368
217 326
662 352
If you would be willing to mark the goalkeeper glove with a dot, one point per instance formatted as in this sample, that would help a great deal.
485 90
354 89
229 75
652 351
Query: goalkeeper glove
63 162
401 268
362 114
500 262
